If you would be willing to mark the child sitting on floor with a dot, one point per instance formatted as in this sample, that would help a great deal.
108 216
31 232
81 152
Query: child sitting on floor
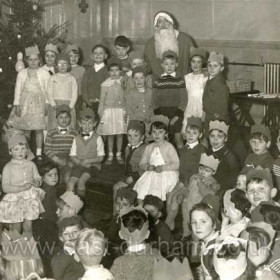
59 141
160 163
90 248
260 140
65 264
87 152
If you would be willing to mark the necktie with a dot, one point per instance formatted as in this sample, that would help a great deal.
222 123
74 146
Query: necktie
63 129
188 146
51 73
85 134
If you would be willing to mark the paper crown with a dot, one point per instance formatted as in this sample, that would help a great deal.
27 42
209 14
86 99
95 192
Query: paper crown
209 161
197 51
51 47
219 125
87 113
217 57
72 200
32 50
135 55
16 139
194 121
18 247
169 53
160 118
261 128
260 173
71 47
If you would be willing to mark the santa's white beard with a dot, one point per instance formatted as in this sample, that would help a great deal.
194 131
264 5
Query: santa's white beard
165 39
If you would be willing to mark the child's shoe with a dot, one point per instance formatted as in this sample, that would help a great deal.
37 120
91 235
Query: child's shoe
119 159
109 160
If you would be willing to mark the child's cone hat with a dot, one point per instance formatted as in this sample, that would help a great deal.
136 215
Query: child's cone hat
217 57
197 51
51 47
209 161
32 50
261 128
219 125
72 200
195 121
160 118
260 173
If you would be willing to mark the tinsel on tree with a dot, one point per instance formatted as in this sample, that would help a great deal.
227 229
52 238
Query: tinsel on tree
21 27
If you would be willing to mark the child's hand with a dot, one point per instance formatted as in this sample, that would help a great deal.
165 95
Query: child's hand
61 162
85 163
26 186
151 168
173 120
18 110
158 169
36 183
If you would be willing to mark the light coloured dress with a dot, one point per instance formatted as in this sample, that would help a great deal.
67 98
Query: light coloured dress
24 205
32 104
195 86
112 108
157 184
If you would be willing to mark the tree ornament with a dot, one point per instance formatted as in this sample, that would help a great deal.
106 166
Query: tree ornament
34 7
1 70
10 58
19 36
19 65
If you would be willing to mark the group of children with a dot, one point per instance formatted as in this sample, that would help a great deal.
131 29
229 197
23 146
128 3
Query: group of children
177 157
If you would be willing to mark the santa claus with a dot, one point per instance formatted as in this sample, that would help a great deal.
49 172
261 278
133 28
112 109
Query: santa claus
167 37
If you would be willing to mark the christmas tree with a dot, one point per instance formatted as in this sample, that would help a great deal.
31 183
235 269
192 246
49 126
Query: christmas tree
21 27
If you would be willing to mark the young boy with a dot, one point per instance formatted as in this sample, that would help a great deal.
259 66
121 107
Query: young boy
95 76
160 233
228 168
87 152
68 205
122 46
136 59
133 154
139 98
260 140
216 92
170 96
90 248
276 165
260 186
65 264
59 141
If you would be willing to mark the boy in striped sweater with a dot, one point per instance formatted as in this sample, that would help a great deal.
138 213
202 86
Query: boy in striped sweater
170 96
58 142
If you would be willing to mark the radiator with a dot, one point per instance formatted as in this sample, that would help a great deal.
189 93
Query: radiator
271 77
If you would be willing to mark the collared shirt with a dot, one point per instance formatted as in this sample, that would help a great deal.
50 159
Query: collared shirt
100 146
173 74
192 145
62 129
136 248
98 272
99 66
215 150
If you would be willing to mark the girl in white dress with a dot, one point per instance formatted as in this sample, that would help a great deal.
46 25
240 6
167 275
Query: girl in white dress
195 83
160 163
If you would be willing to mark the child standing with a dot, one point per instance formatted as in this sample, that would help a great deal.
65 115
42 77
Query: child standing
216 92
195 83
20 181
260 140
112 110
170 96
77 71
94 77
30 98
276 165
160 163
91 248
59 141
62 89
228 168
51 52
139 99
122 46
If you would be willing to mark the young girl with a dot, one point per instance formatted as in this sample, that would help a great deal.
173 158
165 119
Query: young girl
160 163
62 89
21 180
77 71
51 52
205 227
30 98
112 110
195 83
